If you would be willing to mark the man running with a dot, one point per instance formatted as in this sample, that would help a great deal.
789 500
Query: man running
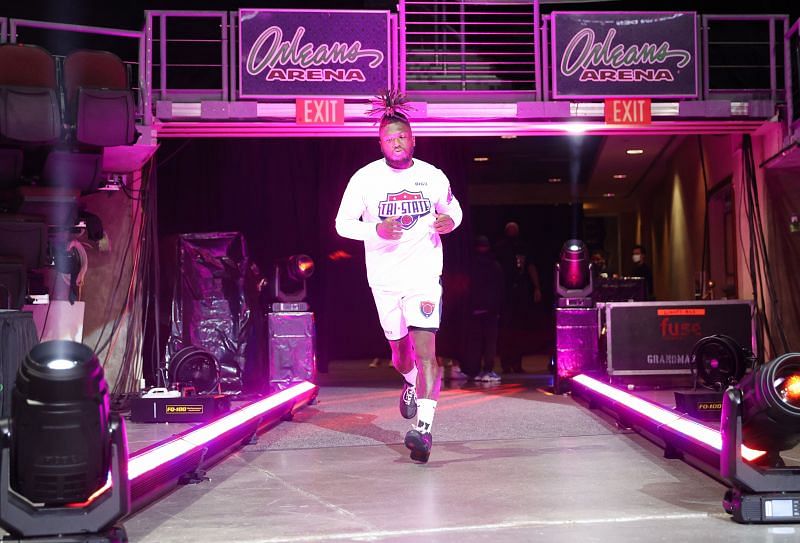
399 207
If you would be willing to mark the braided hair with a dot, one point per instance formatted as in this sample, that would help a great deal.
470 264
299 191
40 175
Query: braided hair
391 106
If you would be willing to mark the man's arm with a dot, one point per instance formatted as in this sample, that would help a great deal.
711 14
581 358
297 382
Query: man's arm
448 210
533 273
348 219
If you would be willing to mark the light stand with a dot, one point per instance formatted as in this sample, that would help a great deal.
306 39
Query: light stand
291 337
577 344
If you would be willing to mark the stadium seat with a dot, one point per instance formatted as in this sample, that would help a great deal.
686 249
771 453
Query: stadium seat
99 100
27 66
10 167
81 171
29 111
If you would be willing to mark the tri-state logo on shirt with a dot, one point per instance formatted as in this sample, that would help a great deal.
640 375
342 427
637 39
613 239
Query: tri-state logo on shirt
408 206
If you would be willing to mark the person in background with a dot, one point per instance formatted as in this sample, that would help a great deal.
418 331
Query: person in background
642 269
599 264
522 292
485 301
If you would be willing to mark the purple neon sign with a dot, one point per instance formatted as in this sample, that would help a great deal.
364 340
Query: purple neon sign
313 53
643 54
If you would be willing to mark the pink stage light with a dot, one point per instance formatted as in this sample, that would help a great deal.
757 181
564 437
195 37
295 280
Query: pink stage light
665 417
97 493
185 443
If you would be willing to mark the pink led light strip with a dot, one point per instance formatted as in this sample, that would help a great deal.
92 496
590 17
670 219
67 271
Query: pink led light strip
170 450
670 419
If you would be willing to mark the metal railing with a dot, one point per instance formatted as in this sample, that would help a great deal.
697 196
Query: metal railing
756 66
447 48
793 102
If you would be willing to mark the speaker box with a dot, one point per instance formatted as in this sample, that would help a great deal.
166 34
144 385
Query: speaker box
657 338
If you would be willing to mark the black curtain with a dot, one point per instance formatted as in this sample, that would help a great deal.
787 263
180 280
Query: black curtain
783 197
543 229
283 195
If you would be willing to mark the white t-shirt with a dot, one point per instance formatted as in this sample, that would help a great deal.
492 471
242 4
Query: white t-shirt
414 194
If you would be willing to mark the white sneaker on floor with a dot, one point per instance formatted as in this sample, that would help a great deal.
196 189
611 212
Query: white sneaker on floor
454 373
491 377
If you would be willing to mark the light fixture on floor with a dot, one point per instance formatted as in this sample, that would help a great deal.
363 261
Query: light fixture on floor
763 410
719 361
288 284
64 454
195 367
573 275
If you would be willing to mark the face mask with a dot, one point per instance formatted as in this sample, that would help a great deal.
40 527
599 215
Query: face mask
637 258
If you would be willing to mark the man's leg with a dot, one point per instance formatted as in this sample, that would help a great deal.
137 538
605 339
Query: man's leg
430 377
403 362
402 355
471 359
394 328
419 439
490 332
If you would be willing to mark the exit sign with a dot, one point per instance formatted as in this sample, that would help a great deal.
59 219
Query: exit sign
320 110
628 110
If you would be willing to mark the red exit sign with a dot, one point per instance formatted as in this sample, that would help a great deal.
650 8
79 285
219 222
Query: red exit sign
320 110
628 110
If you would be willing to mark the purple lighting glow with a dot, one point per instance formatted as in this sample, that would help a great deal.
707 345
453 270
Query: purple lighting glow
665 417
195 438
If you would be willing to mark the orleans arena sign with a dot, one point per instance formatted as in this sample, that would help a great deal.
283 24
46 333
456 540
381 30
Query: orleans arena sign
313 53
648 54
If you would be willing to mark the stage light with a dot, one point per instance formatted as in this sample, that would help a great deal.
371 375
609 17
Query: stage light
64 454
763 410
771 404
719 362
792 389
573 275
289 277
197 368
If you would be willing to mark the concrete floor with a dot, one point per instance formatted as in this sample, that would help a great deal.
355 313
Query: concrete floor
509 463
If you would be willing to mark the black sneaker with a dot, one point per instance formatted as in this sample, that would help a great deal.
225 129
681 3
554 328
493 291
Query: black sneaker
408 401
419 444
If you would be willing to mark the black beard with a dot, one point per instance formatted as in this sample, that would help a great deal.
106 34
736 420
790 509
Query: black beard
400 164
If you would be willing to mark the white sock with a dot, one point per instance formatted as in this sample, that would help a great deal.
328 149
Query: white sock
411 376
425 411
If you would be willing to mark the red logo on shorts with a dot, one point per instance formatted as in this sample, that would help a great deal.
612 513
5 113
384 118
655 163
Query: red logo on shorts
427 308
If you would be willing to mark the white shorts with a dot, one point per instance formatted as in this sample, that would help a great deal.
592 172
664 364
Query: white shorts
400 310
